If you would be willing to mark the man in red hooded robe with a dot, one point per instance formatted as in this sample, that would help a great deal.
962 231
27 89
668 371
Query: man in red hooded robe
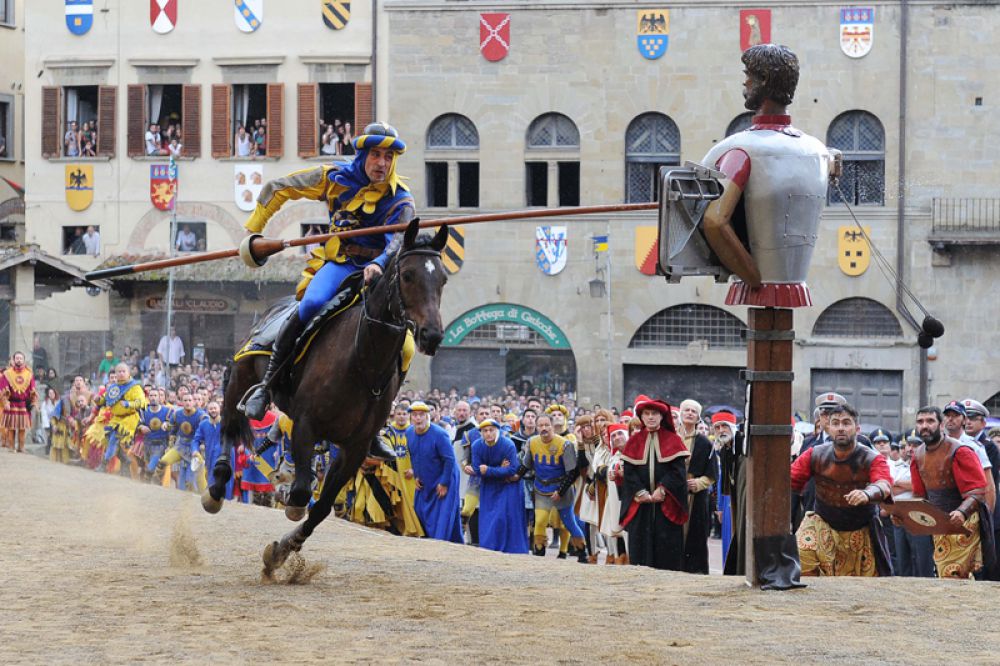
654 489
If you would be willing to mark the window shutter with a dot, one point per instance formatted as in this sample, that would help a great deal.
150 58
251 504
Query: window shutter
191 120
51 121
275 119
363 111
309 129
222 126
136 139
107 112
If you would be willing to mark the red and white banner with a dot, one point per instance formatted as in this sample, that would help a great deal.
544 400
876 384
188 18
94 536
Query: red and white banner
163 15
494 36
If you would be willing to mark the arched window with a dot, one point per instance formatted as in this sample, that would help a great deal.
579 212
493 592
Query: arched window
652 140
553 130
457 134
452 131
740 123
548 133
861 137
857 318
993 404
680 325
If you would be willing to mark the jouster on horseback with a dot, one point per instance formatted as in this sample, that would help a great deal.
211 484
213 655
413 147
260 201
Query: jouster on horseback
377 300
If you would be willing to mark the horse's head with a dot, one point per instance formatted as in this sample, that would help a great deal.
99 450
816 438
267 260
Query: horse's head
421 278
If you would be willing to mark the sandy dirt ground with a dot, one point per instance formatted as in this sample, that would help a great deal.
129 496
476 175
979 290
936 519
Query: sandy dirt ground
102 570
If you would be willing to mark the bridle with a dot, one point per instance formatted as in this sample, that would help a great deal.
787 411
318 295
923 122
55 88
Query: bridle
397 306
396 324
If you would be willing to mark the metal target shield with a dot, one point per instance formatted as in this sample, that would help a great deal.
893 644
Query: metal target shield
685 194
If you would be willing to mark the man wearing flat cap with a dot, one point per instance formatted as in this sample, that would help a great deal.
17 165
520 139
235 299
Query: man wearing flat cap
806 499
914 552
975 427
954 427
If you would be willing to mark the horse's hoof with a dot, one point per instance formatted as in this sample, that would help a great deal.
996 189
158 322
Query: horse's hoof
210 504
295 513
268 556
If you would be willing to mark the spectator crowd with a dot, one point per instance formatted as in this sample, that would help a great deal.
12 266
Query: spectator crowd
532 473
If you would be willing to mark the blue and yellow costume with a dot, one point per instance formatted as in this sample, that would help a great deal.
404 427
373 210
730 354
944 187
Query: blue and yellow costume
403 463
156 440
125 400
353 201
554 464
182 426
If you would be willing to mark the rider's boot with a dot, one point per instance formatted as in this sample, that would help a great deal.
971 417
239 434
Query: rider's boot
380 449
256 402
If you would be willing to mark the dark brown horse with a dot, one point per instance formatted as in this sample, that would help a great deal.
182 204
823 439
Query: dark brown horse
342 391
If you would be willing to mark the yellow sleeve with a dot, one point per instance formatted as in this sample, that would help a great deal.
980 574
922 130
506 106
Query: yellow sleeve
137 398
704 483
305 184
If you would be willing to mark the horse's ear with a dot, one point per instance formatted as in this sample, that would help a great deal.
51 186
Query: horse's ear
440 239
411 232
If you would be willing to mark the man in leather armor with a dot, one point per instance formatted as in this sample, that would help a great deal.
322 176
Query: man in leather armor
843 536
950 476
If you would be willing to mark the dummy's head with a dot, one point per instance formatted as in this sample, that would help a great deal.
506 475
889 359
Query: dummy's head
772 73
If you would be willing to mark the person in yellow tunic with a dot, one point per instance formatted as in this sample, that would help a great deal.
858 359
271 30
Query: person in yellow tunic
559 415
125 398
403 464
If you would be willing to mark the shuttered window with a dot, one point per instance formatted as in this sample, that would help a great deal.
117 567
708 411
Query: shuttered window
51 121
107 114
136 123
363 111
191 121
308 124
222 135
275 119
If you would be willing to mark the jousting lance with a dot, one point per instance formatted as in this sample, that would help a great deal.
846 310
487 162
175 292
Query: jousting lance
265 247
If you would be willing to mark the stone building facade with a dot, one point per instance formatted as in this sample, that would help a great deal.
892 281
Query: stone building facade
565 117
575 68
207 74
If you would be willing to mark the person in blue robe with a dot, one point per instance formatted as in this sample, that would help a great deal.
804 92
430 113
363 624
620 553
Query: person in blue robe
208 439
501 503
437 497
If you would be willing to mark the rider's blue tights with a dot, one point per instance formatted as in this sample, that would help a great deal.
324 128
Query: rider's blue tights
323 287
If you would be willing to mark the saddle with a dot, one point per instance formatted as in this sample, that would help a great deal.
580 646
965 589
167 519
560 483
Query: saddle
262 337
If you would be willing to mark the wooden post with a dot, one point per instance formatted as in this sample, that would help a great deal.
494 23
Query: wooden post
769 372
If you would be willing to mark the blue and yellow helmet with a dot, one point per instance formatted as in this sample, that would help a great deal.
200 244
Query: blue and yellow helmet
380 135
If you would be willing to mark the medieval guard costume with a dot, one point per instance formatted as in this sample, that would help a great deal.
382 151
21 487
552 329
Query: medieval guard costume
950 476
843 537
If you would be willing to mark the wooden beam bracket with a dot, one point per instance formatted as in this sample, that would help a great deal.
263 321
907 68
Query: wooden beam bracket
764 430
767 376
755 334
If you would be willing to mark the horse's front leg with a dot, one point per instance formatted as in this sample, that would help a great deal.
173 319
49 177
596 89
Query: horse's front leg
344 468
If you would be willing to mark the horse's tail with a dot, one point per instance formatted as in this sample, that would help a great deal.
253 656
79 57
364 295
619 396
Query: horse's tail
235 424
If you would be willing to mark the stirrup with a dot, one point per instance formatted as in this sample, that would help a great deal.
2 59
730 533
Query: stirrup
241 406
